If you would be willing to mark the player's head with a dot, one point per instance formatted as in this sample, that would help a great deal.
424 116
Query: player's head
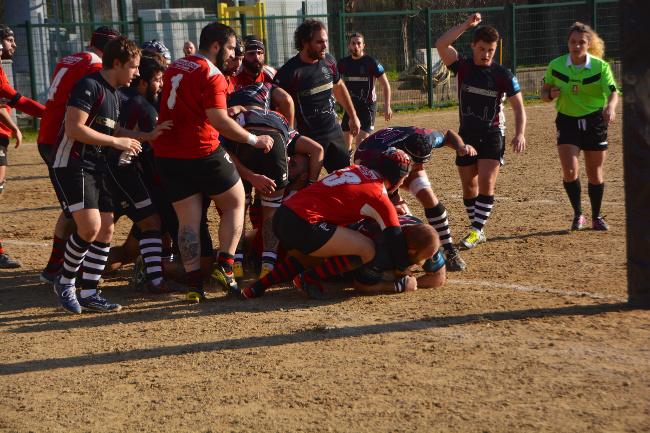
188 48
217 42
583 39
232 65
149 82
484 45
253 55
311 39
394 165
356 44
158 47
298 170
122 56
418 147
101 36
421 241
8 41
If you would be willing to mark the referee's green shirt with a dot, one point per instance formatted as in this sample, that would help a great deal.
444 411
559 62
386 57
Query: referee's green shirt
584 89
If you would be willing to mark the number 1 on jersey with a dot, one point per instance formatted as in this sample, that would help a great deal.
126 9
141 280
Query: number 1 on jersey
55 83
176 81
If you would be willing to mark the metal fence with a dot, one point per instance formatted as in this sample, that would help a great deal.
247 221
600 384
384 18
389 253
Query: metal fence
532 35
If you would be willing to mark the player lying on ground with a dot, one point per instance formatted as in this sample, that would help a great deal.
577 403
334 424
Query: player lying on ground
314 221
418 143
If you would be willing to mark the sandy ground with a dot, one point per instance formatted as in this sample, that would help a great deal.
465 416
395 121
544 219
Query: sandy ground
534 337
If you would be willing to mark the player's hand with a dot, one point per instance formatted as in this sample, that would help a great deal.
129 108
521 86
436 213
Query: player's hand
262 184
19 138
159 129
411 284
554 92
388 113
466 150
235 110
126 143
354 125
609 115
518 143
264 142
472 20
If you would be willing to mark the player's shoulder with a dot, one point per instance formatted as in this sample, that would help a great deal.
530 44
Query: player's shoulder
193 64
269 72
329 59
559 62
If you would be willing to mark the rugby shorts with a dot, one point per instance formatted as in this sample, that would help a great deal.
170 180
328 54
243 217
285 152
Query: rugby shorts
272 164
78 188
490 145
4 146
366 113
588 132
210 175
130 195
294 233
337 155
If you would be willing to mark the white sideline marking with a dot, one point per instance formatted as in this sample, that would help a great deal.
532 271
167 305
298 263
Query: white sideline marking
29 243
535 289
498 198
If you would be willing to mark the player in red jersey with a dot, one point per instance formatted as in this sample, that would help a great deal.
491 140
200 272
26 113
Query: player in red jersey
68 71
190 161
314 221
6 261
253 69
10 98
232 66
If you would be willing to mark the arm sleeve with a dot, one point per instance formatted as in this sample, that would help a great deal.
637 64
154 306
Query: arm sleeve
29 106
214 95
84 95
457 65
607 80
548 76
512 84
331 61
379 69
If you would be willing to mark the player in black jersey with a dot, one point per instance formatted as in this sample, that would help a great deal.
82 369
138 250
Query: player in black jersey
79 165
483 85
360 72
313 81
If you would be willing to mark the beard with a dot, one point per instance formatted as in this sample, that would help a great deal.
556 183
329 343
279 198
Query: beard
253 68
314 54
220 61
152 96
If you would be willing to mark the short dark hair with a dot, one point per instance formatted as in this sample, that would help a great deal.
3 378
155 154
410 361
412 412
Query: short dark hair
356 35
215 32
101 36
305 32
486 34
120 48
149 67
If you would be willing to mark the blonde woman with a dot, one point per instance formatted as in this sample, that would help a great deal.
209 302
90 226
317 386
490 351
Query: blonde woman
586 97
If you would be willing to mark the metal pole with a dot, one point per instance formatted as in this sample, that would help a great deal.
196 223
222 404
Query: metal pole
592 6
510 10
141 29
243 24
91 10
341 47
30 55
429 59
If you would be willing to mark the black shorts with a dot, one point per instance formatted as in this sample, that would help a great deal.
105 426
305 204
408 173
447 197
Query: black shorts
130 195
209 175
4 145
45 150
78 188
294 233
272 164
490 145
366 113
337 154
588 132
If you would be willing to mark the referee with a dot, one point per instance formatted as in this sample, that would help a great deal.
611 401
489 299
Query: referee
586 98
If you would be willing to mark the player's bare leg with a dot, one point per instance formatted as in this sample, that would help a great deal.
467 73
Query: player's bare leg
479 184
188 211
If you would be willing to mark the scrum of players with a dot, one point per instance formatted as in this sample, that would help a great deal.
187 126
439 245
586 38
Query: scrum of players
127 132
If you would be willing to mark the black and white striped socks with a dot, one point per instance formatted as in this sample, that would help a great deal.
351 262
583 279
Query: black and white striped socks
482 210
75 251
93 265
437 217
151 251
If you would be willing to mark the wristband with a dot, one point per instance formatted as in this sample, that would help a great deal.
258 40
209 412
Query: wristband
252 139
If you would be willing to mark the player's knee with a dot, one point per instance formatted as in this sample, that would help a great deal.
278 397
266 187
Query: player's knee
152 222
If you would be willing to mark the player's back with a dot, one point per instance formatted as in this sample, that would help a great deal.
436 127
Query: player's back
68 71
191 85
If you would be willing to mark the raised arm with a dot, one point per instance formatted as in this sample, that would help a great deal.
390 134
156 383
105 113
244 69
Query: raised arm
447 53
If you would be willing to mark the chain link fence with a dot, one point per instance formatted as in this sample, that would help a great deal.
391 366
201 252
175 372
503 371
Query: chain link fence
403 41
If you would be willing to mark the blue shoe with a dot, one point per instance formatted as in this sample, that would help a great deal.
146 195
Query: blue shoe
98 303
67 296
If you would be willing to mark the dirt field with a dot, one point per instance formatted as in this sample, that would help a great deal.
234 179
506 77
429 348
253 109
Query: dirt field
534 337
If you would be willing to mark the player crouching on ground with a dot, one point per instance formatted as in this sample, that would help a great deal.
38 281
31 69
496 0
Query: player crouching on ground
78 162
314 221
418 143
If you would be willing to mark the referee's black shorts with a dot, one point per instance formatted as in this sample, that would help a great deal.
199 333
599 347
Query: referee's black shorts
587 132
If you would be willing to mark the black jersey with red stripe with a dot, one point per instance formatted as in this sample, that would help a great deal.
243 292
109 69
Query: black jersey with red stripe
258 95
360 76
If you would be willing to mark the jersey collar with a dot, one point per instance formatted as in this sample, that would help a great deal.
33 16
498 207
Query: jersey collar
587 64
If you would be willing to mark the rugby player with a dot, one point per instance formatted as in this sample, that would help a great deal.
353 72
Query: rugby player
253 69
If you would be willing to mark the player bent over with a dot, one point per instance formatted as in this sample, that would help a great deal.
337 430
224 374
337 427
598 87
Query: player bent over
418 144
190 161
314 221
91 124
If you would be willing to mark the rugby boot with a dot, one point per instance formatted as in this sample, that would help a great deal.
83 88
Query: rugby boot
67 294
98 303
312 288
453 261
6 262
579 222
196 295
599 223
474 238
47 277
250 293
226 280
266 268
238 269
139 275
